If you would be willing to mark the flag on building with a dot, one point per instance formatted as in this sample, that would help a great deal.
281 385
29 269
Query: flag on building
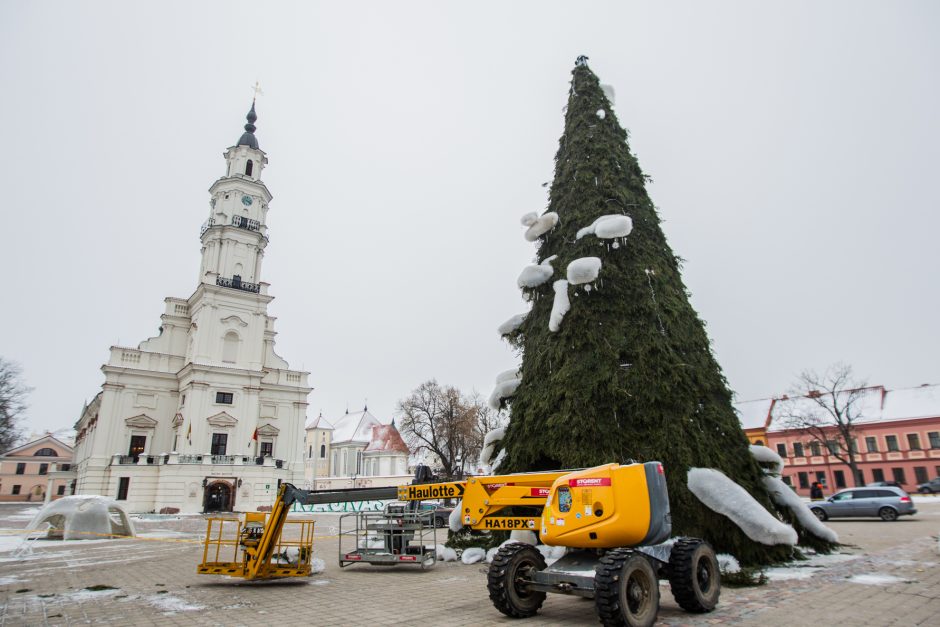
254 437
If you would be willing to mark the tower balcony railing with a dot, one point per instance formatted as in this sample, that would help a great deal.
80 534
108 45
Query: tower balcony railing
244 223
206 225
236 283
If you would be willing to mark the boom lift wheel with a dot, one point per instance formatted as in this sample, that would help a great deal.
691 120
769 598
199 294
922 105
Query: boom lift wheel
508 577
626 590
694 576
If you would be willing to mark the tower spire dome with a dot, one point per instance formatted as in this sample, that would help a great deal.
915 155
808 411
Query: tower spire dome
248 137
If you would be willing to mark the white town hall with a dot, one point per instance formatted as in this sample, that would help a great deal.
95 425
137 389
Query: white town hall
205 416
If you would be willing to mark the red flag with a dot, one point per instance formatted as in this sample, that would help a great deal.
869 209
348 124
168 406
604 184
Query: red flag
254 437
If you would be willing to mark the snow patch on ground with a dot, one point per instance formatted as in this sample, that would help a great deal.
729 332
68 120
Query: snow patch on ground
319 582
722 495
784 573
875 579
6 581
317 566
583 270
560 306
170 603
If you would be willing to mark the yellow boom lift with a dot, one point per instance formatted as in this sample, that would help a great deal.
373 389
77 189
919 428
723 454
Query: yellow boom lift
614 519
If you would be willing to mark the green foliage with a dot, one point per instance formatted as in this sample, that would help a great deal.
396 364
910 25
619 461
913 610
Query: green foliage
630 373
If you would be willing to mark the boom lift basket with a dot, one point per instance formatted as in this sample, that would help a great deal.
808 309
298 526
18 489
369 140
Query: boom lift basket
232 544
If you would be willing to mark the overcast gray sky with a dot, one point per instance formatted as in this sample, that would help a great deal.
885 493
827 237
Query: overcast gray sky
794 149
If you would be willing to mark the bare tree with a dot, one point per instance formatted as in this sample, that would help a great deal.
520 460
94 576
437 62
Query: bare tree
442 421
12 403
828 407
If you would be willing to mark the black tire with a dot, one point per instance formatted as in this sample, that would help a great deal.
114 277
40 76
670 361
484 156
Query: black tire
506 580
694 576
626 590
438 522
888 514
820 514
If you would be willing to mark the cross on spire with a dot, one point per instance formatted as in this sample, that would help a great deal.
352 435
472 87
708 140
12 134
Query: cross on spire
257 91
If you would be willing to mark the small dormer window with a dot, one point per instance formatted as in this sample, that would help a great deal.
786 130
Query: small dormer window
248 167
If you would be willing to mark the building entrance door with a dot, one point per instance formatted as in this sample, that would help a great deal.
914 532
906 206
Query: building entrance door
218 497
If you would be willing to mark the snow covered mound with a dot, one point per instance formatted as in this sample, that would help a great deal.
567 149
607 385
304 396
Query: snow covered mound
584 270
766 456
722 495
503 390
560 306
523 536
445 553
608 227
512 324
472 555
489 444
529 218
781 494
84 517
535 275
542 226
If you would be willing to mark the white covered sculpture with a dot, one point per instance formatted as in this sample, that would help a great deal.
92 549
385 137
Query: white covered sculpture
84 517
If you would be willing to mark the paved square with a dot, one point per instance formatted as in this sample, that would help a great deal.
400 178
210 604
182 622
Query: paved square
890 575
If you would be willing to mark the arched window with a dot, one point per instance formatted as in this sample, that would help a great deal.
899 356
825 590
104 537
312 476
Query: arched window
322 451
248 167
45 452
230 347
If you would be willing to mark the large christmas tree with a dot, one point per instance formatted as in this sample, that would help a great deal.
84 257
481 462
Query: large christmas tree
627 371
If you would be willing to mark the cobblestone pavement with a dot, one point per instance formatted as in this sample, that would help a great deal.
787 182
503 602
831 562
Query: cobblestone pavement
891 575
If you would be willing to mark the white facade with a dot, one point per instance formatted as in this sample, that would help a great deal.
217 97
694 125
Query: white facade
205 416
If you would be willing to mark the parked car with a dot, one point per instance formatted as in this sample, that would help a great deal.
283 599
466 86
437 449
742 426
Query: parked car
877 484
886 502
930 487
441 512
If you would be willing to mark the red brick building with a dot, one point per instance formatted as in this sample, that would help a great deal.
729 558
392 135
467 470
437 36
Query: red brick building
897 437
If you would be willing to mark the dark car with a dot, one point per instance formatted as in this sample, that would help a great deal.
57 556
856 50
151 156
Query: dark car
931 487
886 502
441 512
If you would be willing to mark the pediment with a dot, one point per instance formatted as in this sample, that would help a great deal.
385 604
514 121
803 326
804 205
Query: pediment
143 421
222 419
177 420
233 319
268 430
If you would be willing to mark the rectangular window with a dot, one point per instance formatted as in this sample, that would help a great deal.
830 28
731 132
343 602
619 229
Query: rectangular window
898 474
61 490
859 477
65 467
124 484
797 449
853 445
934 438
920 474
16 490
833 447
267 449
782 450
219 443
787 479
137 446
814 448
821 477
892 442
803 479
871 443
839 477
877 474
20 468
224 398
913 441
44 469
